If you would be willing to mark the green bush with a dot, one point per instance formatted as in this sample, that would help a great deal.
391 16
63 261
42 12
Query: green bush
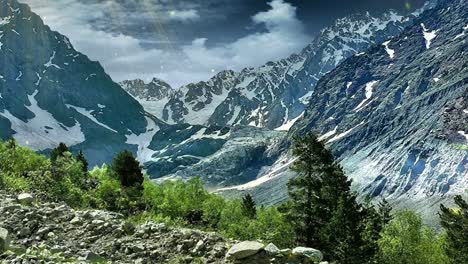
406 240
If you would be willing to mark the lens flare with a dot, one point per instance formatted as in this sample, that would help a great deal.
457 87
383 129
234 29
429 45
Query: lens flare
408 6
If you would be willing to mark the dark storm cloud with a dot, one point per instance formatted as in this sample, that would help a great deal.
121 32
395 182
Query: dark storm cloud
183 41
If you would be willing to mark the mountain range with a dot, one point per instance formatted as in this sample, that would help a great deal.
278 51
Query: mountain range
387 94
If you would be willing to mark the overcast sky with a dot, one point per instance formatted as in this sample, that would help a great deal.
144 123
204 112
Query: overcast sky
182 41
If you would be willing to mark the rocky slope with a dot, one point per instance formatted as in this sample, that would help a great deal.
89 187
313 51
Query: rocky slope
220 156
395 115
33 231
50 93
273 95
56 230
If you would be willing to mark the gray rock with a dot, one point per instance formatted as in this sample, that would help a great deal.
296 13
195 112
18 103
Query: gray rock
244 249
198 247
272 249
309 253
4 239
76 221
25 198
92 257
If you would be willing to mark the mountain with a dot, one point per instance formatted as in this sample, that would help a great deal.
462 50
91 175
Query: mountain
50 93
220 156
153 96
395 116
273 95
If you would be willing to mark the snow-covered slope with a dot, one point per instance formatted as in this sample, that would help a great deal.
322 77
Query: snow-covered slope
50 93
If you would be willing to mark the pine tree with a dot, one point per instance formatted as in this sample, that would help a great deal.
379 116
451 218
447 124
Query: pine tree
385 212
455 223
249 208
313 195
59 151
81 158
322 207
127 169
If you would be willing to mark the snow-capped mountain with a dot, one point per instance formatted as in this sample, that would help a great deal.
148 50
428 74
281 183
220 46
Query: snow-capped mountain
394 115
50 93
153 96
273 95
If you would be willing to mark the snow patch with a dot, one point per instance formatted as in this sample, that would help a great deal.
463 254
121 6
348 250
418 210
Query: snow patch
428 35
235 114
328 134
90 76
344 134
463 134
89 115
39 78
274 172
390 52
50 62
43 131
143 141
286 126
369 92
20 74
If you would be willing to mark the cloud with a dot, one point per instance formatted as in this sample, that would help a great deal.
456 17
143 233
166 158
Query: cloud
125 56
285 35
184 15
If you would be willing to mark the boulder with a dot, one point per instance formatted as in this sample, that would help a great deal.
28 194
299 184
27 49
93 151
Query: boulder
4 239
272 250
198 247
308 253
92 257
244 249
25 198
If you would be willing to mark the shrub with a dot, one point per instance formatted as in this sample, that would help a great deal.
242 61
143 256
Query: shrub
406 240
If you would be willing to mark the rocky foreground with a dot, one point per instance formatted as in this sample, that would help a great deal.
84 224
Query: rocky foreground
33 231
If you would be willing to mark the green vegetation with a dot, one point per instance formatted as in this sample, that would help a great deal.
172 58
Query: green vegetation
322 211
407 240
455 222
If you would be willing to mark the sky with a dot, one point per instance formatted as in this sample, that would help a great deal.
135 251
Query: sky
182 41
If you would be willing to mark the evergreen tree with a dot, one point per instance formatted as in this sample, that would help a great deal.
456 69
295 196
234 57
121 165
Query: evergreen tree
81 158
249 208
385 212
323 210
455 223
373 225
59 151
127 169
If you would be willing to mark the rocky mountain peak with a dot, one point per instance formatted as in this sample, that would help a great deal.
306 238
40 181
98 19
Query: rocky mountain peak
50 93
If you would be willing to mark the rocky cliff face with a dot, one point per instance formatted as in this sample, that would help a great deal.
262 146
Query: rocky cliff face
395 115
274 95
50 93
